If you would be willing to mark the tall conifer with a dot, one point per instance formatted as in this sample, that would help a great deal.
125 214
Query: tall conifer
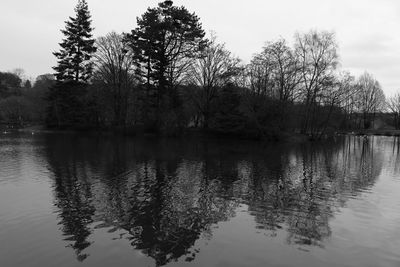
68 105
77 48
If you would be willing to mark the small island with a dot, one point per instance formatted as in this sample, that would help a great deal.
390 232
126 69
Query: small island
167 77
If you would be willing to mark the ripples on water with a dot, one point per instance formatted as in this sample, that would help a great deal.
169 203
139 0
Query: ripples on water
101 201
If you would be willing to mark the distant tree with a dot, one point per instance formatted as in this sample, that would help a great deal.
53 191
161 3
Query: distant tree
114 72
335 99
20 102
166 39
16 110
344 95
210 72
10 84
27 84
20 72
393 104
44 79
371 98
42 85
37 96
77 48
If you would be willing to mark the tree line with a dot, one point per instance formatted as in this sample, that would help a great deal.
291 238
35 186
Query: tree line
165 76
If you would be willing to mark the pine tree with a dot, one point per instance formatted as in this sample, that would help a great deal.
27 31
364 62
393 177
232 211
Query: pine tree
163 43
68 105
77 48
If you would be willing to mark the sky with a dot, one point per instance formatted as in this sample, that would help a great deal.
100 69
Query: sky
367 31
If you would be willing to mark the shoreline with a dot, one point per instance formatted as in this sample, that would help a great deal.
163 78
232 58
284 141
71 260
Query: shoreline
286 137
382 132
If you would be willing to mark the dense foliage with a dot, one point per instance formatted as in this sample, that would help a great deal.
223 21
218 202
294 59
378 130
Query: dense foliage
20 102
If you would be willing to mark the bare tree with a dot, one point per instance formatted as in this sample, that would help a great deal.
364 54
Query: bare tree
215 68
393 104
113 70
318 58
273 80
260 76
371 98
338 95
348 93
285 70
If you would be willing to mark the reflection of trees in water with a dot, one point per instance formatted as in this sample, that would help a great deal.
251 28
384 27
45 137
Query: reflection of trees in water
164 202
73 197
303 192
170 210
395 157
166 194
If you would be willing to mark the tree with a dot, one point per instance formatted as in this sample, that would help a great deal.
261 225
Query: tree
393 104
344 96
37 95
274 74
229 118
77 47
259 72
336 98
257 102
115 74
10 83
166 39
16 110
285 70
371 98
210 72
27 85
68 105
318 58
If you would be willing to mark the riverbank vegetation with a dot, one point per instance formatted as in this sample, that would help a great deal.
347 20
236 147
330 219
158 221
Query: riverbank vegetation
167 76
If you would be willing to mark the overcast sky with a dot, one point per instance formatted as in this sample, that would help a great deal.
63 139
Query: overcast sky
368 31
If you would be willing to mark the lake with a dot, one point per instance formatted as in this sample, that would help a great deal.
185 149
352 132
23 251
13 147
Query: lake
70 200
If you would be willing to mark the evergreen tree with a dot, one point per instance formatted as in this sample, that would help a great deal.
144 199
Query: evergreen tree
77 47
163 43
68 103
27 84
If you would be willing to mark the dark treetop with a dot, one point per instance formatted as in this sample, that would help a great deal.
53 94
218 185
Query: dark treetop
77 47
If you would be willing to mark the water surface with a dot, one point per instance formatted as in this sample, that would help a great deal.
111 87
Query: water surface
69 200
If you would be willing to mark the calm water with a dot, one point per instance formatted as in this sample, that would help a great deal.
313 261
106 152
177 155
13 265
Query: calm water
102 201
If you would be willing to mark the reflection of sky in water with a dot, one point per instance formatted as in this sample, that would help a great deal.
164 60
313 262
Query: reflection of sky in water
146 202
